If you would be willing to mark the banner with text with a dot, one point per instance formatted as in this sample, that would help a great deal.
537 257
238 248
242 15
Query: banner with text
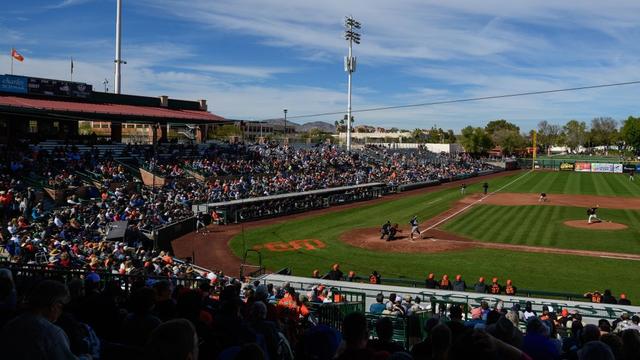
565 166
601 167
584 167
617 168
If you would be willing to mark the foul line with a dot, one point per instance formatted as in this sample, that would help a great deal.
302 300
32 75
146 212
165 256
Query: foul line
473 203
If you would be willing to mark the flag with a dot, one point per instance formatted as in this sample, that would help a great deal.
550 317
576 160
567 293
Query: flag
16 55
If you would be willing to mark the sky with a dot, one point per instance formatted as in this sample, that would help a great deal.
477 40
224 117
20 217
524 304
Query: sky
253 58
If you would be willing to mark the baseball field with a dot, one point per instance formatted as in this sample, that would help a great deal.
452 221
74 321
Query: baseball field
508 234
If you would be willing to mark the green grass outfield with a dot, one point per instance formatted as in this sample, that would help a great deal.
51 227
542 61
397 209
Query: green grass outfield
528 270
570 182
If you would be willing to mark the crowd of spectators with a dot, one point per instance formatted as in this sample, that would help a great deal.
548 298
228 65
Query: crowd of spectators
238 171
221 318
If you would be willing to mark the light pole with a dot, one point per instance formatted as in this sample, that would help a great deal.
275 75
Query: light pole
350 66
118 59
285 123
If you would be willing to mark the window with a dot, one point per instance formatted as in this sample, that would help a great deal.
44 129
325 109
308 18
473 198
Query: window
104 125
33 126
130 126
95 125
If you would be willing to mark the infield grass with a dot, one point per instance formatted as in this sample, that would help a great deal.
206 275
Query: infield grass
550 272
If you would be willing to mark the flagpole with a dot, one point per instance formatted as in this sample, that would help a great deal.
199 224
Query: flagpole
11 60
71 68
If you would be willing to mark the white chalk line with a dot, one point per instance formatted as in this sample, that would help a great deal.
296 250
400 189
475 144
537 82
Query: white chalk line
475 202
618 257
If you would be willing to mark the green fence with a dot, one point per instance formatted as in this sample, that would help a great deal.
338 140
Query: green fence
567 163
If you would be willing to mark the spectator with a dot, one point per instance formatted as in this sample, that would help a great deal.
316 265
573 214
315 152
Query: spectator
459 284
34 335
335 273
375 278
495 287
595 350
623 300
536 342
318 343
509 289
445 284
173 340
138 325
480 286
630 344
384 342
355 335
607 298
528 311
431 282
379 305
165 305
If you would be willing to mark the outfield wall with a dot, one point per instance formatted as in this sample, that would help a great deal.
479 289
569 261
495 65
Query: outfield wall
591 312
582 165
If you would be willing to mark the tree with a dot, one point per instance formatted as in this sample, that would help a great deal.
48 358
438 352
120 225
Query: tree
475 141
225 131
509 140
418 135
548 135
497 125
604 131
575 133
630 133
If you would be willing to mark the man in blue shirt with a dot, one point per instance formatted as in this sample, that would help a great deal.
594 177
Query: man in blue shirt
379 306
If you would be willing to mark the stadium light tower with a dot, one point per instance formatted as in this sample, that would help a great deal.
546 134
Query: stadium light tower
118 59
350 66
285 123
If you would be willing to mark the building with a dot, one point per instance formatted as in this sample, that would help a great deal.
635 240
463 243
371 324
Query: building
37 109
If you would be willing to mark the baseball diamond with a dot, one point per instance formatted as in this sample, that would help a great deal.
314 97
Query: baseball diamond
508 234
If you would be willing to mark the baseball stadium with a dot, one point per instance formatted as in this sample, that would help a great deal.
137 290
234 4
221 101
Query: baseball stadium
201 226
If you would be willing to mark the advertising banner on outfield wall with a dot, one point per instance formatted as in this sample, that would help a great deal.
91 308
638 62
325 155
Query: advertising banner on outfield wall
581 166
565 166
601 167
627 168
617 168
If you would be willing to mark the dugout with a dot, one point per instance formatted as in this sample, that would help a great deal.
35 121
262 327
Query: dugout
236 211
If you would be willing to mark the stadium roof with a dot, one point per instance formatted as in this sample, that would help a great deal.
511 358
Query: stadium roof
99 110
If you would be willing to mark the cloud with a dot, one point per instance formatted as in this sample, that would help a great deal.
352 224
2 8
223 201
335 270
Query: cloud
67 3
255 72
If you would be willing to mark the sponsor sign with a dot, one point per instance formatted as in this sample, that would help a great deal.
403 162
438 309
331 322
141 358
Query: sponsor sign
617 168
13 84
637 167
565 166
601 167
582 166
627 168
58 88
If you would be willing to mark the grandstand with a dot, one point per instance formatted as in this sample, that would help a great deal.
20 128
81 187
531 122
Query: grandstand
100 215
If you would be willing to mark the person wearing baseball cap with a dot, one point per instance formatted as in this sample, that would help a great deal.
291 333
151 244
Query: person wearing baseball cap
495 288
623 300
480 286
431 282
459 284
509 289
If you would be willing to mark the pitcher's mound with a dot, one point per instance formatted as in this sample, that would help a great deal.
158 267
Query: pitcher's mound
582 224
